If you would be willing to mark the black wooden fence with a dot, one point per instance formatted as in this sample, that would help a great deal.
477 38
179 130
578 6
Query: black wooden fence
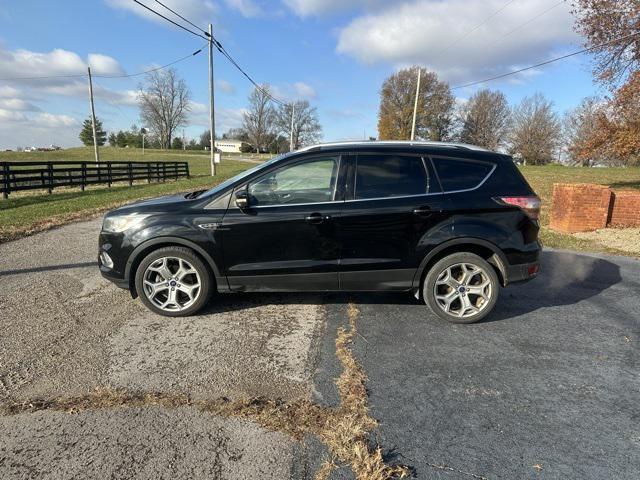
18 176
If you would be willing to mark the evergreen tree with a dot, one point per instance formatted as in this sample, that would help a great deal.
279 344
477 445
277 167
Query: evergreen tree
86 134
121 139
112 140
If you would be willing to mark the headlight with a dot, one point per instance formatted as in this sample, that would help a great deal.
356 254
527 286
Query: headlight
117 224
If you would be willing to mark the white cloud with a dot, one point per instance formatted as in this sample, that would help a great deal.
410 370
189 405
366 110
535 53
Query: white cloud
430 33
226 118
247 8
25 63
226 87
22 129
306 8
293 91
304 90
18 104
198 11
104 65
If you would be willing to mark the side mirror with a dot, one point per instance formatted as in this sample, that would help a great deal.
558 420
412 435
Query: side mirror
242 199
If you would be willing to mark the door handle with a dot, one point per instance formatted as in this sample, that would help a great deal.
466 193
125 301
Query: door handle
423 211
316 218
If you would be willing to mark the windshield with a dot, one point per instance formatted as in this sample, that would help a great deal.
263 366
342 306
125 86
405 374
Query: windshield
219 188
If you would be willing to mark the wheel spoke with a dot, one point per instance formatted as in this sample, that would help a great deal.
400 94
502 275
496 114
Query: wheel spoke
184 270
189 290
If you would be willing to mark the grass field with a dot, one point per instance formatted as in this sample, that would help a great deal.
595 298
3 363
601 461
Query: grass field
24 214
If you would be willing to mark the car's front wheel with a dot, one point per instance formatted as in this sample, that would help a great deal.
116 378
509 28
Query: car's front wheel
461 288
173 282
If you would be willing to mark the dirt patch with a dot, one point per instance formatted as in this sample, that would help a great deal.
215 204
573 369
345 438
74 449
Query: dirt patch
346 430
623 239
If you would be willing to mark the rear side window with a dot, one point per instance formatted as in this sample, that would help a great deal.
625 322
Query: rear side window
382 176
461 174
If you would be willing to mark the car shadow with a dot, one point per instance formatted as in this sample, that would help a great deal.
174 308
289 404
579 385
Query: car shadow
566 278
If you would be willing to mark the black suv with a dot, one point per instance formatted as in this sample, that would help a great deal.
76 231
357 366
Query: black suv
449 222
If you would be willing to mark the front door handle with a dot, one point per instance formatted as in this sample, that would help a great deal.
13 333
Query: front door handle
317 218
423 211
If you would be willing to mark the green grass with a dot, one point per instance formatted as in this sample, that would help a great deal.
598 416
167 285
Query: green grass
25 214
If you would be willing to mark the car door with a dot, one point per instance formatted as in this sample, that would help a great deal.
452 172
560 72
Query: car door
393 214
286 239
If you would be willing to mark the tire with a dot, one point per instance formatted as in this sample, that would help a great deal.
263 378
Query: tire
442 286
173 282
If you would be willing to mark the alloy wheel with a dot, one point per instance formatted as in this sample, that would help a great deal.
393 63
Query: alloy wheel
463 290
172 284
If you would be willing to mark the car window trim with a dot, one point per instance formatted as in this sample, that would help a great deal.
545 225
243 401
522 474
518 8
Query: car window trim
422 157
493 166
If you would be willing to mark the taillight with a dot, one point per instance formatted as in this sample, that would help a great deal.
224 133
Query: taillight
531 205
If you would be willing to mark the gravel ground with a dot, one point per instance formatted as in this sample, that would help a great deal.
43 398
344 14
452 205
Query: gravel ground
623 239
67 331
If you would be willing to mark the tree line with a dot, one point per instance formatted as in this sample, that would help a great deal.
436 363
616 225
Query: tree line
600 130
165 103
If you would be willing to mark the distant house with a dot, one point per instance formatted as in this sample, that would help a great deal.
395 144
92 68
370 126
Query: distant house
231 146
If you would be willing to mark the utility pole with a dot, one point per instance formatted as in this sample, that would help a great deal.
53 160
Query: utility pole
293 114
415 107
184 141
212 121
93 117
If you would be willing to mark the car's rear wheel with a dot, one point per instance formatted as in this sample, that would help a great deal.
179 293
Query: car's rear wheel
461 288
173 282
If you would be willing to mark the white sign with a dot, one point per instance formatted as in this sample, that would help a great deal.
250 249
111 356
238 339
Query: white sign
216 157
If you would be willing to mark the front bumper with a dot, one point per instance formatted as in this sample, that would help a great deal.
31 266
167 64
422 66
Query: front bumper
110 261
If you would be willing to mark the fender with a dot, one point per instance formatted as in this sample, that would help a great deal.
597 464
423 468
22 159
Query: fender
135 256
499 259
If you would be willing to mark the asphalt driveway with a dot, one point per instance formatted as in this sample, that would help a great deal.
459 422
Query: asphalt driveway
546 387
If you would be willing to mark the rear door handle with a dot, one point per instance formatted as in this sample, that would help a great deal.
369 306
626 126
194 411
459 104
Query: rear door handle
317 218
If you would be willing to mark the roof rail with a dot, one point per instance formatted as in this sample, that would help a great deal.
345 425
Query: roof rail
420 143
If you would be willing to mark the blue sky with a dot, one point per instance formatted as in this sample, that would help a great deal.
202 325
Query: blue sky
335 53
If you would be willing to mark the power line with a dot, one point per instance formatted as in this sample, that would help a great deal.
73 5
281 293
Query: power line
181 17
171 21
465 35
218 46
531 20
84 75
547 62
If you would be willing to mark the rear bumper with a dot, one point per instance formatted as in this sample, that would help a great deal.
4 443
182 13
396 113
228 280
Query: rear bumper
522 272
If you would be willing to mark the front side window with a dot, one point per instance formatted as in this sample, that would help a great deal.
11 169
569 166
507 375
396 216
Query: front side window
312 181
382 176
461 174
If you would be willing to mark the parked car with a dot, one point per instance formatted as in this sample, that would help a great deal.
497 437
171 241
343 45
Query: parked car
450 223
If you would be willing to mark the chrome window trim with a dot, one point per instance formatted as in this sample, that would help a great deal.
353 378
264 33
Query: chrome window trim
295 204
394 198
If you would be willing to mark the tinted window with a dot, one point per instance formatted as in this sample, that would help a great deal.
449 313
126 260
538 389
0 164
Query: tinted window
381 176
312 181
460 174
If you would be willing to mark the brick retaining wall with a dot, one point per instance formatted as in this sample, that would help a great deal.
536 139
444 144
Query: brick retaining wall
583 207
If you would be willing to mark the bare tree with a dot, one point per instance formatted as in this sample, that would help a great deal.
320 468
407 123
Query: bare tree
306 126
397 99
164 104
536 131
258 121
485 120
